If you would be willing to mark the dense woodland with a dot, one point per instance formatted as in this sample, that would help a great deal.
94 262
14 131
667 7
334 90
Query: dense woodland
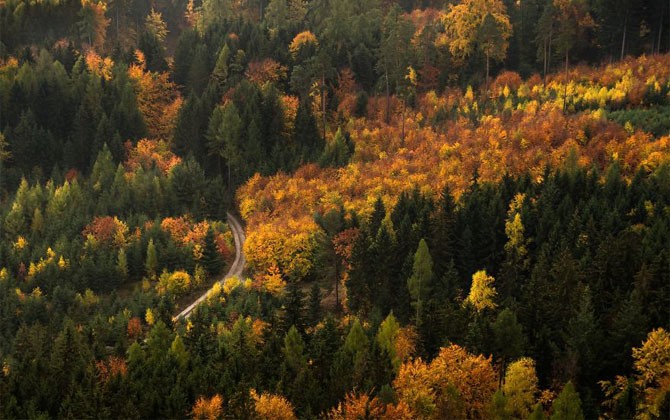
453 209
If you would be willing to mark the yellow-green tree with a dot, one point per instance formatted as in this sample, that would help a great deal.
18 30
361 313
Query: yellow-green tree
519 387
482 292
652 366
478 24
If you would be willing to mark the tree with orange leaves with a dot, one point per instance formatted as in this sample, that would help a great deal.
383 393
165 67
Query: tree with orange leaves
456 384
208 408
93 23
157 98
265 70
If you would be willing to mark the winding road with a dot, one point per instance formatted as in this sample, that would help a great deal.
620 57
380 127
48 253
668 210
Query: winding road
235 269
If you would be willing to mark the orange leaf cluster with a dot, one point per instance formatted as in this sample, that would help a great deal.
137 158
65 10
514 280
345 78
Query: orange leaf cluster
456 384
265 70
134 328
157 99
111 367
361 406
208 408
147 153
184 232
108 230
101 67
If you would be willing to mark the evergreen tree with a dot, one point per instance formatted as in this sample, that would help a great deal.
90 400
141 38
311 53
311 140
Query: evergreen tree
211 258
419 283
315 304
567 406
151 262
293 306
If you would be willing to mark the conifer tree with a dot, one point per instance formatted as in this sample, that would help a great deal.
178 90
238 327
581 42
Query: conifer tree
419 283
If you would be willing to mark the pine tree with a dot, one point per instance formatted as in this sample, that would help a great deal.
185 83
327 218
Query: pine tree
567 406
211 258
151 262
122 264
315 304
293 306
420 283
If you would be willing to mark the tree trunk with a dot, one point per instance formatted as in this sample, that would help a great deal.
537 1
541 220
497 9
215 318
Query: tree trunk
260 8
565 91
623 40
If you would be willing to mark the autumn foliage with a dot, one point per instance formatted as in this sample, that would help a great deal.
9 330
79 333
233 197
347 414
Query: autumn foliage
528 132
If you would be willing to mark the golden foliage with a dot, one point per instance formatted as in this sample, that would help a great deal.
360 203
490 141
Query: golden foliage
157 99
533 133
456 384
147 152
482 292
208 408
101 67
652 366
303 38
272 407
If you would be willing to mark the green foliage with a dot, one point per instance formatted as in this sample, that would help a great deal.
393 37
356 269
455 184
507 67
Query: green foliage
567 406
419 283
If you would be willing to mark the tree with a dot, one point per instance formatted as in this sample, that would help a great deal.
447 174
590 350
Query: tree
293 306
394 52
482 292
208 408
420 282
122 264
492 41
93 24
567 406
211 257
573 19
272 407
520 387
509 338
155 25
315 304
220 72
224 137
151 262
652 367
481 24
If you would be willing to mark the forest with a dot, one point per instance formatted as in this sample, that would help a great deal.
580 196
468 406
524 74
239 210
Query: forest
452 209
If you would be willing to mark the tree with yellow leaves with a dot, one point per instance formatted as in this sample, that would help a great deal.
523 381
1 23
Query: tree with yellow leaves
481 24
652 366
272 407
208 408
482 292
520 387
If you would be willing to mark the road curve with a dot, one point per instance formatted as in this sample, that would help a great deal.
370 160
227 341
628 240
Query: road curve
235 269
